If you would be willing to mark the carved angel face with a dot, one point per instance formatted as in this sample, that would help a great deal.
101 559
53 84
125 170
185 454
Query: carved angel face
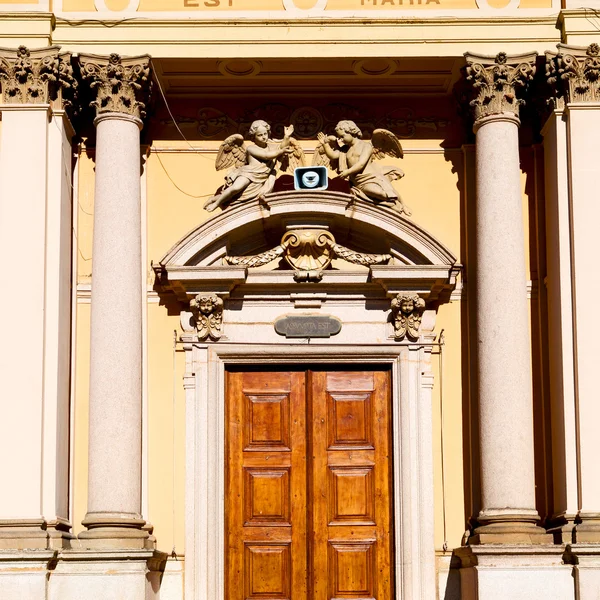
261 136
205 305
407 305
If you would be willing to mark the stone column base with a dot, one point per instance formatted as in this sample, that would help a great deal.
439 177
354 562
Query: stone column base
108 574
34 534
518 572
111 530
588 531
511 533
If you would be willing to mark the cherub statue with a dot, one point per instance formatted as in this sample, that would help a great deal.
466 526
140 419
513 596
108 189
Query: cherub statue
353 159
255 167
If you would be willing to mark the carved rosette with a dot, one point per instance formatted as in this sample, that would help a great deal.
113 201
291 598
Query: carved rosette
574 73
29 76
207 310
496 80
309 250
407 313
122 84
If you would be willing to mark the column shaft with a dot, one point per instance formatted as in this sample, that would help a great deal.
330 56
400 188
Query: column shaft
114 516
503 347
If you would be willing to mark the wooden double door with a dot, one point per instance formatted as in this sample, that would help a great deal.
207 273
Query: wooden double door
308 485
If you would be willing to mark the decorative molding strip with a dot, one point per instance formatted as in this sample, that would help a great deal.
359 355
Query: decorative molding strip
213 123
496 80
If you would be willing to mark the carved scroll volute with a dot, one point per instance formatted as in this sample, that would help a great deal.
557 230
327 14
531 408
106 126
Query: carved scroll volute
574 73
207 311
496 81
29 76
308 249
407 312
122 84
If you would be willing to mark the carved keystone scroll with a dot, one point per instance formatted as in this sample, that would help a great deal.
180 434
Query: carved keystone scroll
407 313
496 80
122 84
208 315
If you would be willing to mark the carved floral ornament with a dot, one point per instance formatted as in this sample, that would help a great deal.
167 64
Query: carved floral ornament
574 73
407 313
36 76
308 250
122 84
496 81
207 310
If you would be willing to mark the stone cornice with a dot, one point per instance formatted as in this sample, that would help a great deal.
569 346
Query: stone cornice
496 80
574 74
122 84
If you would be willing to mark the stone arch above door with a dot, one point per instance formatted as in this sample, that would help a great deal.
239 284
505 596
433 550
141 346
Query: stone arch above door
377 249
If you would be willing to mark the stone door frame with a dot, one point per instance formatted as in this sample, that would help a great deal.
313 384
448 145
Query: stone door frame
413 494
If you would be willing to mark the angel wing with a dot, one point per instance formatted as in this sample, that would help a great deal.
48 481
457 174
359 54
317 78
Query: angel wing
232 153
288 162
385 143
320 158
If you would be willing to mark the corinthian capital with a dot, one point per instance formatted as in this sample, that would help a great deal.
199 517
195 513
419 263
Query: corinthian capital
122 84
496 80
29 76
574 73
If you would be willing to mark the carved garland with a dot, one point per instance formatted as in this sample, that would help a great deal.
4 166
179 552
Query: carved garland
309 250
208 316
407 312
496 81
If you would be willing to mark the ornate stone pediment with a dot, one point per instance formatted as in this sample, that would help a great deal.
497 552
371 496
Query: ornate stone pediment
303 251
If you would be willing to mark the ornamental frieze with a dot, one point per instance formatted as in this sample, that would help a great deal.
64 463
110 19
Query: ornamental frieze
498 81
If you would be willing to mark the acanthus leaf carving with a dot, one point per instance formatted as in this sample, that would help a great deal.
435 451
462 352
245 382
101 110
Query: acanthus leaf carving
29 76
496 81
407 313
207 310
574 73
122 84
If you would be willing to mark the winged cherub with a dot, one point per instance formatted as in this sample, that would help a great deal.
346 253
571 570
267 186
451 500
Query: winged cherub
255 167
353 158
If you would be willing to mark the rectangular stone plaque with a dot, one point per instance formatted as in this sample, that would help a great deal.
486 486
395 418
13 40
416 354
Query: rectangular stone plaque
308 326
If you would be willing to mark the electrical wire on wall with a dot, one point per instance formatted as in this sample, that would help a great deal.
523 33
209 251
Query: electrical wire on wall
195 150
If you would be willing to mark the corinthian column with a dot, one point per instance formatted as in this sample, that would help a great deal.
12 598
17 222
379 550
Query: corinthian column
115 427
508 511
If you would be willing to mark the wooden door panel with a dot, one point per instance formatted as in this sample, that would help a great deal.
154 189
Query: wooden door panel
266 486
316 526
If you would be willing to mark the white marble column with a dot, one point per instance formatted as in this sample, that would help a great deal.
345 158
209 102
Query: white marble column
35 239
115 428
575 74
508 512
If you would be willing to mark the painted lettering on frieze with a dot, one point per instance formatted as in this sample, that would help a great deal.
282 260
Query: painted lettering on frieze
207 4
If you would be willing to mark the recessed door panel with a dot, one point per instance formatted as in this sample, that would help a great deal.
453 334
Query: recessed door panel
308 507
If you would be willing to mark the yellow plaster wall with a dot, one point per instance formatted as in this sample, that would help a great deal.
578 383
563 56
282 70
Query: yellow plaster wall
178 182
